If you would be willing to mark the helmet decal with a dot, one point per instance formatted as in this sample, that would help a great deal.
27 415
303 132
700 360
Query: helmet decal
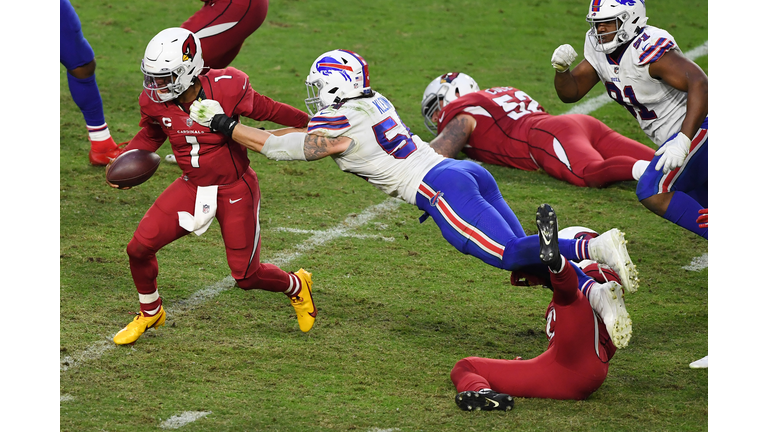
189 48
327 65
366 78
449 77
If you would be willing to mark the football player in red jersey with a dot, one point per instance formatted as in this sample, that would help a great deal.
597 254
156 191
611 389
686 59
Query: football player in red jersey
216 180
223 25
575 363
504 126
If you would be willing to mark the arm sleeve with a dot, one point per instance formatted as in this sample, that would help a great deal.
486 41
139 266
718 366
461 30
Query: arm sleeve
150 137
264 108
253 105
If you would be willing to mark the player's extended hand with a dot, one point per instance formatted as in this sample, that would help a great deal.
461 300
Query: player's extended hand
562 58
204 110
703 220
673 152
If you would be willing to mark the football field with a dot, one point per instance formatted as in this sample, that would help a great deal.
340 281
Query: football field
397 305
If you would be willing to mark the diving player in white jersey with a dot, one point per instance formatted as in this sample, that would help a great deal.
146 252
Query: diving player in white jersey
360 129
643 70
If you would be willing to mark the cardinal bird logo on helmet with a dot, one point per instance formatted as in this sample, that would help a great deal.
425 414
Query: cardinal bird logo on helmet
449 77
189 48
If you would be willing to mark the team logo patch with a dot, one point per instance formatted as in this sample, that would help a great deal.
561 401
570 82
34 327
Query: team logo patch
189 48
626 2
433 201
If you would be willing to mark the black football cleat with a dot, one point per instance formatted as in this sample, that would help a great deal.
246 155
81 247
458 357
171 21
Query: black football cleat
549 250
486 400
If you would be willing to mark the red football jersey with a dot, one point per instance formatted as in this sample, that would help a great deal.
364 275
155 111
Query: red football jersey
205 157
504 115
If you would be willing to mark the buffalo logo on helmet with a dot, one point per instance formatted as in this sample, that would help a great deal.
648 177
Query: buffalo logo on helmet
328 65
189 48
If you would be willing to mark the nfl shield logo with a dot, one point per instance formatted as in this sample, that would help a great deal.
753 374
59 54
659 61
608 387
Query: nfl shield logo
616 69
189 122
206 208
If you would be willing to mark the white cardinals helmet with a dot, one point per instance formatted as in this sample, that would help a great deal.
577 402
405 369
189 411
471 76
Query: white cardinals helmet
172 61
577 233
455 85
334 76
446 88
629 16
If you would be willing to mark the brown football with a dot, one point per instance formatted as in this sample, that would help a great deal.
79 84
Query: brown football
132 168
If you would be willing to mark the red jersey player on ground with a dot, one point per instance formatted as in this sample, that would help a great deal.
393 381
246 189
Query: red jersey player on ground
575 363
217 180
223 25
504 126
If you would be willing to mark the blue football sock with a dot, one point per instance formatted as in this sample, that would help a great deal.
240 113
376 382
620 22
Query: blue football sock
524 252
86 95
683 211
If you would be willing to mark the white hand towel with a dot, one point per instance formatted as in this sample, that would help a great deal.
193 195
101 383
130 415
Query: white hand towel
205 210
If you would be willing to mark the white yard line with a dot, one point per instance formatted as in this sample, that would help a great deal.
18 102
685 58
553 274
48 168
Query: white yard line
319 238
593 104
698 263
182 419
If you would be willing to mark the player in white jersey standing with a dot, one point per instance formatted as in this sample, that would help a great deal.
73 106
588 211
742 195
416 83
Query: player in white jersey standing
360 129
643 70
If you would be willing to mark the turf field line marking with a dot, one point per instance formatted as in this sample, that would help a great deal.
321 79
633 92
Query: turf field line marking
182 419
593 104
98 348
698 264
357 236
66 398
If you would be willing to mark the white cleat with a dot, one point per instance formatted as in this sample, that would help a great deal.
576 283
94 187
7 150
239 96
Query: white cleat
702 363
610 248
608 301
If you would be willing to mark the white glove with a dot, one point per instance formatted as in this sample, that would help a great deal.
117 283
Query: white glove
203 111
562 58
673 152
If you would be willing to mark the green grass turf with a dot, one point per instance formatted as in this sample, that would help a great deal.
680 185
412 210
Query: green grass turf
398 306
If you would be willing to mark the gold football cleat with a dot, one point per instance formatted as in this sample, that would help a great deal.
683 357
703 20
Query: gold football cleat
138 326
306 311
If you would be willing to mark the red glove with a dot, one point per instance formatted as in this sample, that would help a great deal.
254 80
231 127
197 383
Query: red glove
703 220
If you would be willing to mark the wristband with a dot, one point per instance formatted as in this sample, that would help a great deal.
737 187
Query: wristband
224 124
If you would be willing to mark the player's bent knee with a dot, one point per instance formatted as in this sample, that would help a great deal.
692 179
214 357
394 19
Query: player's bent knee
137 250
85 71
657 203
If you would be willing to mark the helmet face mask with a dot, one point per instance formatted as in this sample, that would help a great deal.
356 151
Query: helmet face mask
429 104
627 15
335 76
172 61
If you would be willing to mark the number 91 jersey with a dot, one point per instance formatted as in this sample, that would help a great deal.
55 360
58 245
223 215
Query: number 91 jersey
383 151
657 106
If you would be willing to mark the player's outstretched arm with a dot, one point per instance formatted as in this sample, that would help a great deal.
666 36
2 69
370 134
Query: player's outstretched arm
572 85
454 136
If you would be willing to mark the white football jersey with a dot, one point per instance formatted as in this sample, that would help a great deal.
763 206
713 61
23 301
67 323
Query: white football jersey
657 106
384 151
